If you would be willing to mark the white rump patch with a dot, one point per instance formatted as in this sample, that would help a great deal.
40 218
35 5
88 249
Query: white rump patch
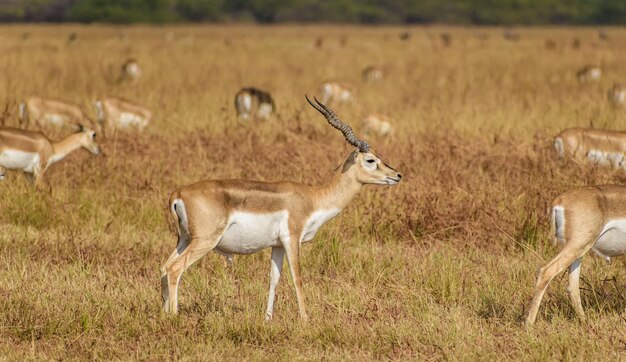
558 218
558 145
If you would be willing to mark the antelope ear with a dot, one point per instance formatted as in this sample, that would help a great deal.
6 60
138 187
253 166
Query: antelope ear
350 161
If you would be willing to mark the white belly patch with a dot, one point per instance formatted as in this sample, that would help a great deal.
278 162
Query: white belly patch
55 119
614 159
13 159
249 232
612 240
128 119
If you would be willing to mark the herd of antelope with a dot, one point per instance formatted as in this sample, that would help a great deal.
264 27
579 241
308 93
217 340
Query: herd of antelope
244 217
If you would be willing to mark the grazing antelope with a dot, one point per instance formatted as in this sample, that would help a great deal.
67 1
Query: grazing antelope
254 103
50 112
336 92
607 148
617 95
585 218
117 113
3 173
372 73
244 217
33 152
589 73
377 124
130 70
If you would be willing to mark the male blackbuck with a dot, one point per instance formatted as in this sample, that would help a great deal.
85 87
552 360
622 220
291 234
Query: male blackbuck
130 70
607 148
376 124
372 73
50 112
33 152
117 113
583 219
244 217
254 103
590 73
336 92
617 95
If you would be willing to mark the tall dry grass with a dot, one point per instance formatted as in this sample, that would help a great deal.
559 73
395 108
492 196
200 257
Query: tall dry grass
439 267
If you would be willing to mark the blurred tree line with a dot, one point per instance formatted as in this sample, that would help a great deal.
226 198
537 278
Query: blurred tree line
504 12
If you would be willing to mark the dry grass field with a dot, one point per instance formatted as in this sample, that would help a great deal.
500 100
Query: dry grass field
440 267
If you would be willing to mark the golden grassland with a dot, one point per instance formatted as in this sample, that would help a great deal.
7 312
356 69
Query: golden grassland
441 266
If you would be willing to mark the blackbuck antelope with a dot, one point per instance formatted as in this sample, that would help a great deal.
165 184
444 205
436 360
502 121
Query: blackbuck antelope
376 124
50 112
130 70
336 92
586 218
244 217
607 148
117 113
254 103
590 73
33 152
617 95
3 173
372 73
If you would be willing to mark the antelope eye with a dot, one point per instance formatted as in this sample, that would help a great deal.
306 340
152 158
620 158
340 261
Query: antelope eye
371 161
94 135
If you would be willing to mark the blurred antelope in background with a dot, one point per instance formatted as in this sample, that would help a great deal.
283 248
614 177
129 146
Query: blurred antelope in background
337 92
33 152
254 103
617 95
117 113
376 124
583 219
607 148
245 217
130 70
372 73
590 73
50 112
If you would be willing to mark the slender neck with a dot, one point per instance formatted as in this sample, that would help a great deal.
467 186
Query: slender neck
65 147
338 193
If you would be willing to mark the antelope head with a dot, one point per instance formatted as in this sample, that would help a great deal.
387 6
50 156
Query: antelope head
87 139
362 163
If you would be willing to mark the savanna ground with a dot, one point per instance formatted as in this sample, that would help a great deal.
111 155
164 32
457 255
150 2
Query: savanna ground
441 266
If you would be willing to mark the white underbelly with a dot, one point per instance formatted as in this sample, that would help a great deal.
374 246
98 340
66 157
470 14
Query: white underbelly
55 119
612 240
127 120
615 159
248 232
13 159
